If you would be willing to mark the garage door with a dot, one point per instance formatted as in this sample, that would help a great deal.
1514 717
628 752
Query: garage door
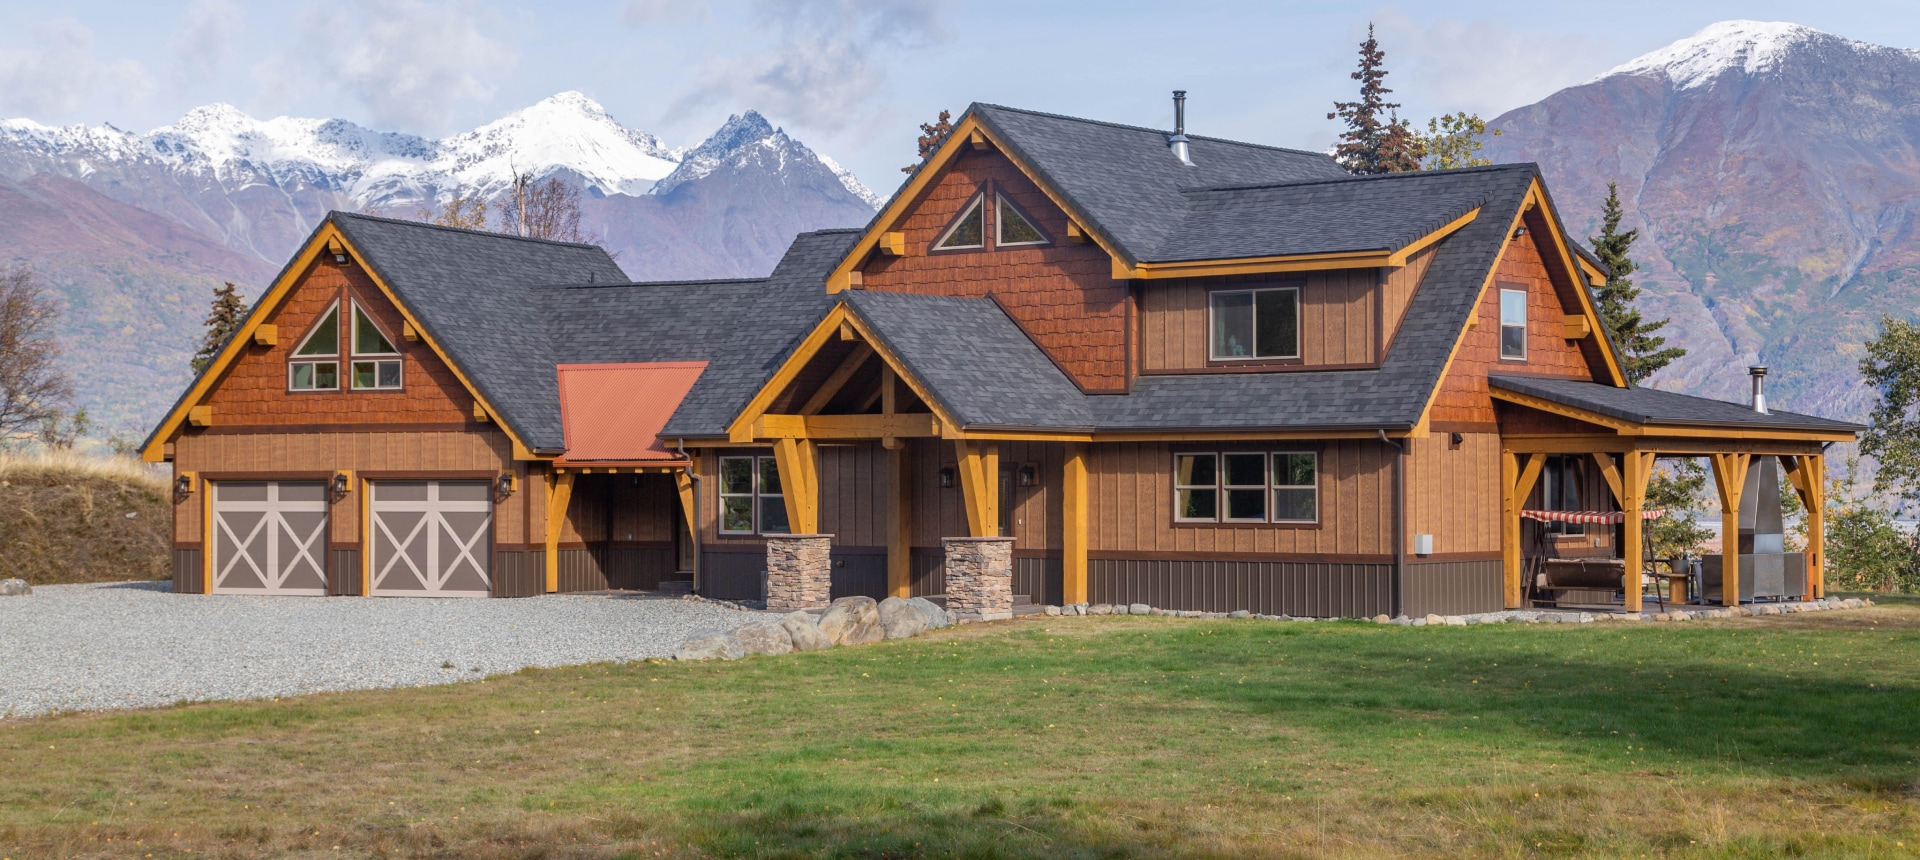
430 538
270 537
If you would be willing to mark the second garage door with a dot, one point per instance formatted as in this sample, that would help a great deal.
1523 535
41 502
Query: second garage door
431 538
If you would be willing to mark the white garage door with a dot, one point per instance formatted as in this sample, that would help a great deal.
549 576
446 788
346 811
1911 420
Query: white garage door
270 537
430 538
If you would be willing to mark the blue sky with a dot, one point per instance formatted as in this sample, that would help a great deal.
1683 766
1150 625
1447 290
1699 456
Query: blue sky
852 79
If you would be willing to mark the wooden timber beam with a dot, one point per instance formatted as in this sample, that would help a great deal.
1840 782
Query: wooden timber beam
1662 445
1611 472
1073 515
559 494
838 380
889 402
899 522
979 473
683 482
1633 494
1807 474
909 424
1730 478
1516 483
799 462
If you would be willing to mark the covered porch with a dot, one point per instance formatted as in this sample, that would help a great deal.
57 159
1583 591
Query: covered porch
1621 432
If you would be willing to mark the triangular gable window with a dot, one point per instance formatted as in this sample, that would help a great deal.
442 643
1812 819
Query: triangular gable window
1014 227
969 230
369 340
322 342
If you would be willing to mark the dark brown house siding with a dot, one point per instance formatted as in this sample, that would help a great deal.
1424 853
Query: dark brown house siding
1453 588
1308 589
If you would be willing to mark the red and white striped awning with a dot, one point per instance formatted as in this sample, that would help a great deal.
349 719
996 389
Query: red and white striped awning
1606 517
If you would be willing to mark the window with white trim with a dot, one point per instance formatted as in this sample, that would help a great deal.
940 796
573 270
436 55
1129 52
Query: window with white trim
969 230
1011 226
1513 325
372 371
315 365
1246 487
1253 324
750 497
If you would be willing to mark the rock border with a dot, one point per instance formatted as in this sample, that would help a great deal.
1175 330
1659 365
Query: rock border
1507 616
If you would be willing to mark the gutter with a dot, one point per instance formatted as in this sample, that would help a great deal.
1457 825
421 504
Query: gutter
1399 525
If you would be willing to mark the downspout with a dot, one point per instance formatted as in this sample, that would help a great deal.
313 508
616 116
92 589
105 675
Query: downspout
1399 524
693 528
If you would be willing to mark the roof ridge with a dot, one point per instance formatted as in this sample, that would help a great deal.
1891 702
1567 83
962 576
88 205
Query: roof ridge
1159 131
404 222
690 282
1491 168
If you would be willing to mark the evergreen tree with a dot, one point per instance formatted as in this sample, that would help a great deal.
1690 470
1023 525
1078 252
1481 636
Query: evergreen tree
932 134
1377 140
223 319
1453 141
1642 352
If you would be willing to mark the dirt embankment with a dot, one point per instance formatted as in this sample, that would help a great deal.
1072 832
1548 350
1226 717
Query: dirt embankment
72 518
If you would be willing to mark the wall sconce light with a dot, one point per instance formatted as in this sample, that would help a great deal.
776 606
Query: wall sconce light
1028 476
1456 438
1519 231
183 485
341 481
503 486
946 478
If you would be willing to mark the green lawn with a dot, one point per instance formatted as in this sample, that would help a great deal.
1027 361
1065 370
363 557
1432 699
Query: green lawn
1094 737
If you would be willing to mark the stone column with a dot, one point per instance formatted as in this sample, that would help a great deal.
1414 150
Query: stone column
979 577
799 571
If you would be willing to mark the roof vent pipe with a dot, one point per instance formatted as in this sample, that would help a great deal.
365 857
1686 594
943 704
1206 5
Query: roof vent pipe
1759 374
1178 142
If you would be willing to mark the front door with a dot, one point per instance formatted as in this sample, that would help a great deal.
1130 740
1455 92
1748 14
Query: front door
270 537
431 538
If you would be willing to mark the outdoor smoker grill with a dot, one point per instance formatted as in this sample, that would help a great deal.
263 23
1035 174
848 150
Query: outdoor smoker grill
1766 568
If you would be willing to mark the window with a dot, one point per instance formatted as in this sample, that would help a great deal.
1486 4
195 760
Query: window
1513 324
369 341
750 499
1560 491
1247 487
1013 226
1254 324
969 230
322 342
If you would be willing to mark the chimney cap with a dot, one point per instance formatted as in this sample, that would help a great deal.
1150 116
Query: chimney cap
1757 370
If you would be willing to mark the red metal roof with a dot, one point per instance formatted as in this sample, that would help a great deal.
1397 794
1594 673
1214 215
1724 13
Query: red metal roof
612 413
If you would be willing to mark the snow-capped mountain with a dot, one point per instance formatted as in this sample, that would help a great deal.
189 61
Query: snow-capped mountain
134 230
1774 173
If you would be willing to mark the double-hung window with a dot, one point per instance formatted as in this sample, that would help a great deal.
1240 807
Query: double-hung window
376 363
1247 487
316 359
750 498
1247 325
1513 325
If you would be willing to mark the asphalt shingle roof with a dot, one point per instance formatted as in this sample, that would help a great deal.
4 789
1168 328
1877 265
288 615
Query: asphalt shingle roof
1383 213
1655 407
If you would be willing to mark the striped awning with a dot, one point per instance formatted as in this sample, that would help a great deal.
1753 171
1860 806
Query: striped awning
1607 517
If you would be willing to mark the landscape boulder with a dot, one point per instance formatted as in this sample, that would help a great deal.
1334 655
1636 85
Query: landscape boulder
853 621
1100 609
14 588
1138 609
710 645
937 617
901 619
763 637
804 631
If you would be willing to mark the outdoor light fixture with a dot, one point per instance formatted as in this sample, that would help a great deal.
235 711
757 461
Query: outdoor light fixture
1519 231
946 478
1028 476
1457 438
504 485
183 485
340 482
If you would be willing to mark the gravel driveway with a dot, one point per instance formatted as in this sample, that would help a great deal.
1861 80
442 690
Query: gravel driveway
135 645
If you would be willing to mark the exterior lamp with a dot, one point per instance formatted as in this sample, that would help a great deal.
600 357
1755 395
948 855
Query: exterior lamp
1028 476
339 484
183 485
504 484
946 478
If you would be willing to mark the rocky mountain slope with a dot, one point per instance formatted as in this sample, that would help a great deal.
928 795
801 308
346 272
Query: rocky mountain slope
134 230
1773 172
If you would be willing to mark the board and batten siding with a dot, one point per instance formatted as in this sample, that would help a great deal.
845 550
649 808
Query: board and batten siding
1453 492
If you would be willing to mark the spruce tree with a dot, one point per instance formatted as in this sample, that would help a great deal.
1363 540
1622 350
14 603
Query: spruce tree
1377 140
223 319
1642 353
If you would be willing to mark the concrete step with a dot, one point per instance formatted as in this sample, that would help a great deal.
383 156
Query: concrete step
676 587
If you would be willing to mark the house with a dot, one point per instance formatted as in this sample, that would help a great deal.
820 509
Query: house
1177 370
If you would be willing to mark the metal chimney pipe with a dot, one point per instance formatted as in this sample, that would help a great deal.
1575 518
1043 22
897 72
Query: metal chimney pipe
1178 142
1759 374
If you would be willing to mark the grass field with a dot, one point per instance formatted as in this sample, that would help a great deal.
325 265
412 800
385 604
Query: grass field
1096 737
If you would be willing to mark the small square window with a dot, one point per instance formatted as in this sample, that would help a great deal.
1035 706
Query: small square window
313 376
1254 324
1513 325
376 375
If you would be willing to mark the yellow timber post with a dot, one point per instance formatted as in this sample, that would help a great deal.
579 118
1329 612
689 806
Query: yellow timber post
979 472
1808 476
683 483
1073 514
1516 483
800 483
899 544
1638 467
1730 478
559 494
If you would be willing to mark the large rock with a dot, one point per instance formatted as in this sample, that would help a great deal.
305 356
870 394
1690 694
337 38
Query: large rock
763 637
901 619
710 645
937 618
804 630
14 588
853 621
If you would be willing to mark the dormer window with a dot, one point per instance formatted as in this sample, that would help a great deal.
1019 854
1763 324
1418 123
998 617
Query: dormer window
1012 226
1248 325
321 349
370 370
969 230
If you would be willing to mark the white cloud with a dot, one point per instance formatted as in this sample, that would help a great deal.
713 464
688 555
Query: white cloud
60 72
821 61
206 40
647 12
1482 67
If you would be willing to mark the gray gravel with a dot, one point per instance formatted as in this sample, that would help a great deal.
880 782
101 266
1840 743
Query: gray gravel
135 645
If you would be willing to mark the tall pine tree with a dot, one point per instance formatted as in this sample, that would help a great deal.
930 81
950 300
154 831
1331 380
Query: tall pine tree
1377 140
223 319
1642 352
